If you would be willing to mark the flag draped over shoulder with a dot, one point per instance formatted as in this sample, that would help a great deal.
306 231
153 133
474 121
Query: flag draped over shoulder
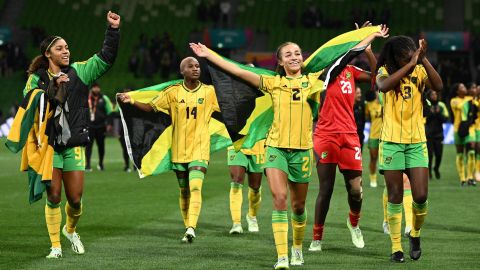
148 135
247 113
32 131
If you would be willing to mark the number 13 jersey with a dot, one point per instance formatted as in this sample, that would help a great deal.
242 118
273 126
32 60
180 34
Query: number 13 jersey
190 111
403 108
336 114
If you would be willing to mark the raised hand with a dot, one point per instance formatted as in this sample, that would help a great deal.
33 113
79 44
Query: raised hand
199 49
123 97
383 32
422 44
113 19
365 24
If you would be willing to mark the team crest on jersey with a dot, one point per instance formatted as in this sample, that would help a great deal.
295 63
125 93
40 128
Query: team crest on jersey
272 158
348 75
304 84
232 157
388 160
414 80
182 101
200 100
324 155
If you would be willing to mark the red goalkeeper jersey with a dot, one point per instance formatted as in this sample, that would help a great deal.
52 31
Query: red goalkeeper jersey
336 113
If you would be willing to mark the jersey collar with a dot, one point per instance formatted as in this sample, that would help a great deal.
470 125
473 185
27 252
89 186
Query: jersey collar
191 90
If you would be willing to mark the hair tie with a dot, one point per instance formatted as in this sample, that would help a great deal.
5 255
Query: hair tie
51 43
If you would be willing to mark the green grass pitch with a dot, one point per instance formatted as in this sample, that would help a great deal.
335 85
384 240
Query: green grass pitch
136 224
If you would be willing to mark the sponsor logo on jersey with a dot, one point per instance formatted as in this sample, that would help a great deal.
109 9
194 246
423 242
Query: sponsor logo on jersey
182 101
200 100
324 155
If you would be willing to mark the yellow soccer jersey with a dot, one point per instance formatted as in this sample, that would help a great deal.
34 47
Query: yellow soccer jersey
457 105
476 102
190 111
292 120
257 149
403 111
373 112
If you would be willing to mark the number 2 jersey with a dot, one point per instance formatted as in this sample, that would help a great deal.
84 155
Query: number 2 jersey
336 114
403 108
190 111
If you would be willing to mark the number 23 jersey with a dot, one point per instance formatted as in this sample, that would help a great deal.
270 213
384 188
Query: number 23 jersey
336 114
190 111
403 110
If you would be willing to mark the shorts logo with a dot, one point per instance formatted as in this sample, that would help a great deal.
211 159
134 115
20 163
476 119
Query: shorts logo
232 157
388 160
304 84
272 158
324 155
200 100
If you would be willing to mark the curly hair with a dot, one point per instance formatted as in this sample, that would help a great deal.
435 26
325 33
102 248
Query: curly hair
395 49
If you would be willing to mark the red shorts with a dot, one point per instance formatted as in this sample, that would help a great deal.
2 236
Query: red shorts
340 148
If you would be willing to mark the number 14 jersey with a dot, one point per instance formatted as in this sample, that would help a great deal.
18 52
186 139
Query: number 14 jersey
190 111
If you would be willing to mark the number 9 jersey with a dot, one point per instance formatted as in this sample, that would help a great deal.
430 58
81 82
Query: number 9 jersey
403 108
190 111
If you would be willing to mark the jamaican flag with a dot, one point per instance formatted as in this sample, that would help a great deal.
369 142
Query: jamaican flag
148 135
247 112
32 132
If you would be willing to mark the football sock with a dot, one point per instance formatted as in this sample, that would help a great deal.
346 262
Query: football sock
73 215
53 217
407 207
298 226
419 213
470 164
460 167
317 232
184 199
195 182
280 232
373 178
394 218
354 217
236 199
254 200
477 163
385 201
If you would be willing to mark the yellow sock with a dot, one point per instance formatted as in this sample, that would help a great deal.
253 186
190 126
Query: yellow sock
195 182
53 217
254 200
407 207
298 227
460 167
236 200
385 201
280 232
184 199
394 213
419 214
470 164
73 215
373 178
477 163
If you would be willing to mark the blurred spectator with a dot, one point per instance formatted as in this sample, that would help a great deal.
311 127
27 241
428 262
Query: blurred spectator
100 109
226 9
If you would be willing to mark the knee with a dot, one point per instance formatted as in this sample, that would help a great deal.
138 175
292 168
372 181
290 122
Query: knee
54 198
298 208
237 179
280 201
420 198
75 201
355 193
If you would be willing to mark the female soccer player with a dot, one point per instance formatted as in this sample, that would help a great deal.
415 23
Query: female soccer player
373 112
53 67
246 161
289 141
336 142
460 105
190 105
401 79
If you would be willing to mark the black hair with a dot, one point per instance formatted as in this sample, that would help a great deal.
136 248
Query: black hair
395 49
454 90
41 61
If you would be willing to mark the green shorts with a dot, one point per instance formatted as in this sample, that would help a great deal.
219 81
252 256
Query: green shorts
297 164
183 167
468 139
70 159
373 143
400 156
477 135
251 163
